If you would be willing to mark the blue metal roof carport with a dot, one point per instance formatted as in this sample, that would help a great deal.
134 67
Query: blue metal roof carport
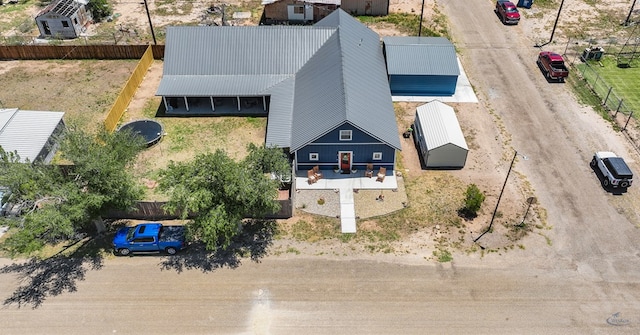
421 66
438 136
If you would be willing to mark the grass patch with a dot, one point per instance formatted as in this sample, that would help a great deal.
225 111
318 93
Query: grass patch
410 23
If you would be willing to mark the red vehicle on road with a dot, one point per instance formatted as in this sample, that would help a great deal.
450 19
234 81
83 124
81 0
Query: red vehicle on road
552 65
507 12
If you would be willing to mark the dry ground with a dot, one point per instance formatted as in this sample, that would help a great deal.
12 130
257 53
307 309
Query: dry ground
434 196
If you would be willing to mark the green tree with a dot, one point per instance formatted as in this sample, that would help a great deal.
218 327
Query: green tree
100 9
58 201
473 200
218 192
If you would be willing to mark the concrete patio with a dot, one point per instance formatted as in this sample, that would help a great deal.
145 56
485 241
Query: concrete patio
345 184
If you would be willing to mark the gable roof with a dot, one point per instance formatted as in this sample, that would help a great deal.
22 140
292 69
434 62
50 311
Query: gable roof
319 77
440 125
411 55
27 132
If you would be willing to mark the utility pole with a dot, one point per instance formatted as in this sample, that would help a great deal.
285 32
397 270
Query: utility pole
153 34
626 21
421 14
554 26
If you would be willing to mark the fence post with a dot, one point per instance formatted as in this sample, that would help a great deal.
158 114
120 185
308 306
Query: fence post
619 105
625 125
604 103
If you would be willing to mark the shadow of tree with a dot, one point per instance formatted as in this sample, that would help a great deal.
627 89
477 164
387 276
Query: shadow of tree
42 278
252 242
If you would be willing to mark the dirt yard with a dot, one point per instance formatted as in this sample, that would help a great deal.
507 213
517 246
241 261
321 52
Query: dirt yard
91 86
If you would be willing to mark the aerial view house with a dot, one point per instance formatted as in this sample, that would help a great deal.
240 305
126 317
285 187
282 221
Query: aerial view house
65 19
295 11
438 137
421 66
32 134
323 88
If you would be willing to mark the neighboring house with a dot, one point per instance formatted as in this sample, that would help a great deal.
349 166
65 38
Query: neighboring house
438 137
32 134
295 11
421 66
323 88
64 19
366 7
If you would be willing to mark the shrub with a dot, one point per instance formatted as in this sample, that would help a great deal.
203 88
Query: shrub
473 201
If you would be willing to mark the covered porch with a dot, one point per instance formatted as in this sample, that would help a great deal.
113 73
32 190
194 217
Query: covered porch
218 106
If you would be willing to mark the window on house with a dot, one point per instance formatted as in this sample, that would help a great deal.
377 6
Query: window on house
298 10
75 21
377 156
65 24
313 156
345 135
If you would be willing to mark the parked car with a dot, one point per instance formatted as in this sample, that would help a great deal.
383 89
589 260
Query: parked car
149 237
552 65
614 169
507 12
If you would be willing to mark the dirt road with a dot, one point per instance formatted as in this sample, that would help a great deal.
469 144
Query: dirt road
314 296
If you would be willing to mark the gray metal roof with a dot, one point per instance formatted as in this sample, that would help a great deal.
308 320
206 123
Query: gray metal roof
440 125
410 55
335 72
345 81
65 8
27 132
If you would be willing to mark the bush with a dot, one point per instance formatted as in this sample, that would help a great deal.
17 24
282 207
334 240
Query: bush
473 201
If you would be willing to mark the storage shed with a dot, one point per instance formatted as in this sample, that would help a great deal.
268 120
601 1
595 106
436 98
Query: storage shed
64 19
438 137
32 134
421 66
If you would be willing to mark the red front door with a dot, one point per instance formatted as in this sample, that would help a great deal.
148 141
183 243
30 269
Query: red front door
345 161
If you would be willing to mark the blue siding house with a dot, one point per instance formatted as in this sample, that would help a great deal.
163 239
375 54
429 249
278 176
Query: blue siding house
421 66
323 88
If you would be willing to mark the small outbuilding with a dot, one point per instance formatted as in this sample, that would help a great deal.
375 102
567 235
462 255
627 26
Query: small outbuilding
421 66
64 19
32 134
438 137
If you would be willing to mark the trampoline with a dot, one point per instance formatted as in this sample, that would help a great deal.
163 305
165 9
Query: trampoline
150 130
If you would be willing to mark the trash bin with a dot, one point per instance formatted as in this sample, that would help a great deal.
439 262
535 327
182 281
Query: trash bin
597 53
586 54
525 3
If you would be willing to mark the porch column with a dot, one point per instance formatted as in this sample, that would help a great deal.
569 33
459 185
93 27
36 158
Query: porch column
213 106
238 98
186 103
164 100
264 103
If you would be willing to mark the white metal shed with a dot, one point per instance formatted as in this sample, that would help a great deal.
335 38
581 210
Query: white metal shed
438 137
30 133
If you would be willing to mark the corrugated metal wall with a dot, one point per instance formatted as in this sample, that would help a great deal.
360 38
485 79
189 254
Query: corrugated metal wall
366 7
423 85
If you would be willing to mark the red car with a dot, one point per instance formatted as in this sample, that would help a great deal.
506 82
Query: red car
507 12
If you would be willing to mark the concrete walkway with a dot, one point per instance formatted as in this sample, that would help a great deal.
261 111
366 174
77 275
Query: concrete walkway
345 184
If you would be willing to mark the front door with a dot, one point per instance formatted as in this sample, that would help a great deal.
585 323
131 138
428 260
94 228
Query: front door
345 161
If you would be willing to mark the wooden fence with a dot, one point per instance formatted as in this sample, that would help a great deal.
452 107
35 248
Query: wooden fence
153 211
121 103
35 52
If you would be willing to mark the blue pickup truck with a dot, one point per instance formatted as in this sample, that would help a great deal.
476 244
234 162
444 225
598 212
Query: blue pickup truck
149 237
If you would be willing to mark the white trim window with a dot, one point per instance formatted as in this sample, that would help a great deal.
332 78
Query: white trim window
345 135
314 156
377 156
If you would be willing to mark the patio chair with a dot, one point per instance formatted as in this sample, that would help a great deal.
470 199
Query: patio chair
369 171
381 174
311 177
317 173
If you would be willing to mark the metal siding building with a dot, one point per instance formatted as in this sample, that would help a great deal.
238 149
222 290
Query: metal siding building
421 66
438 137
312 81
30 133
